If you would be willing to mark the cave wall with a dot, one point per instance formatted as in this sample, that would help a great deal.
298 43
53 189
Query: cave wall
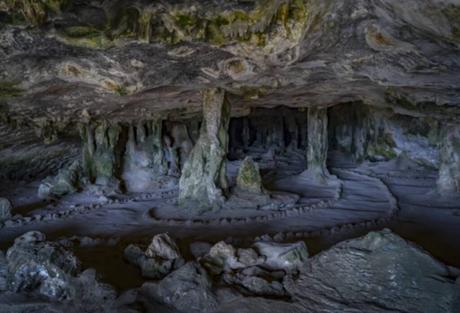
449 169
279 129
369 133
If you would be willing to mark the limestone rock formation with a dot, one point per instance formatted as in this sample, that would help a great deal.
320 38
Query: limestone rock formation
67 181
6 208
187 289
449 171
203 181
376 273
102 146
256 281
286 257
144 160
36 265
41 276
164 247
132 118
159 259
248 178
317 143
221 257
259 270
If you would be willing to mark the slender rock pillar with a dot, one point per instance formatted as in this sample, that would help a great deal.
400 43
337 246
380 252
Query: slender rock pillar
449 168
317 143
203 181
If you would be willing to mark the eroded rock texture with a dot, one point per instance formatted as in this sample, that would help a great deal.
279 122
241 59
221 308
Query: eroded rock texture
379 272
203 178
317 143
449 171
187 289
160 258
102 151
42 276
144 159
67 181
5 208
248 178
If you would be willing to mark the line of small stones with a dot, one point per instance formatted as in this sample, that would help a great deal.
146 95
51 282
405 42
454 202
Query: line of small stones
418 176
297 210
323 232
331 230
83 209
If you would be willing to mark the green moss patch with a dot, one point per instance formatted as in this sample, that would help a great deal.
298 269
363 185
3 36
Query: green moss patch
9 89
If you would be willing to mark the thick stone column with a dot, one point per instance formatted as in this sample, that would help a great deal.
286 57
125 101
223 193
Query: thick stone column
317 143
203 180
449 167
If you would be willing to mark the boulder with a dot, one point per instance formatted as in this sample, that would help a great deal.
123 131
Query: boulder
5 208
65 182
379 272
221 258
187 289
150 267
158 260
280 256
164 247
35 265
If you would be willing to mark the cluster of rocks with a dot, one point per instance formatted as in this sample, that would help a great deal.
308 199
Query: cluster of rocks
223 277
374 273
259 270
45 271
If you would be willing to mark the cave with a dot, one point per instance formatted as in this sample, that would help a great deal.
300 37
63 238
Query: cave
229 156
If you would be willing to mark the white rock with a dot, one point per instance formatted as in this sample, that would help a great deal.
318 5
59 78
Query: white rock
288 256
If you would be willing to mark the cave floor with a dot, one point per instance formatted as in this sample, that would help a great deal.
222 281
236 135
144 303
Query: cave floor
397 194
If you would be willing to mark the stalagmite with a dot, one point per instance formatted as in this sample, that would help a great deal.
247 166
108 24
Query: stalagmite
317 143
249 178
203 179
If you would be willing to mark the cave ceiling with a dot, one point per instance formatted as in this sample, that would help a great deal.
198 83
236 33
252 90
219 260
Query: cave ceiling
72 60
